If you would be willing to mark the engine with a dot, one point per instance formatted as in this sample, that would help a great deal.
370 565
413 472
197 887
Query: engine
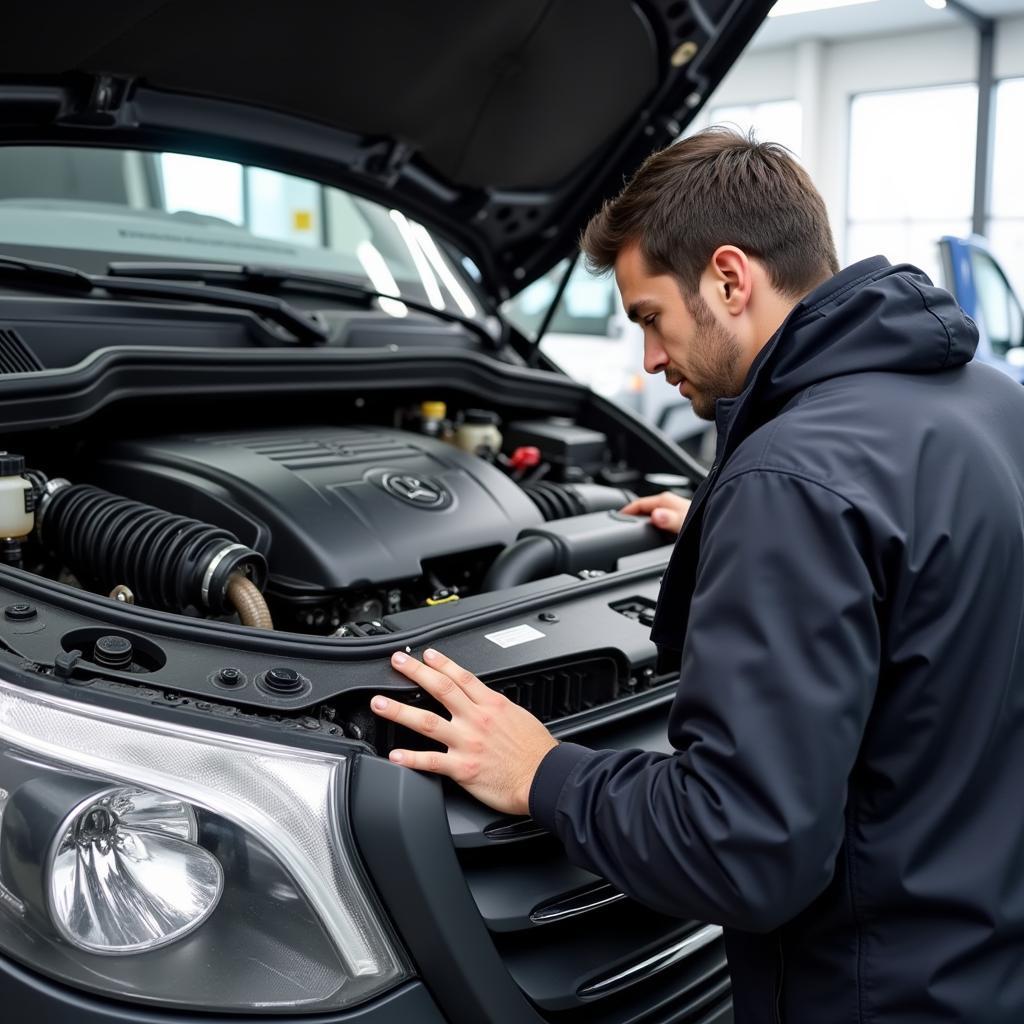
327 529
352 520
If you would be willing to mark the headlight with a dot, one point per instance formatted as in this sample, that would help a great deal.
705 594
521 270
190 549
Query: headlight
169 865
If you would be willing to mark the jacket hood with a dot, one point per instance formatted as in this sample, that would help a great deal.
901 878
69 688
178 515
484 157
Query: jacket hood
864 319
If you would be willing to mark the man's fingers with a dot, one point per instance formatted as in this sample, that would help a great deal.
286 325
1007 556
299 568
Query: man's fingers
668 519
641 506
437 684
426 723
466 681
425 761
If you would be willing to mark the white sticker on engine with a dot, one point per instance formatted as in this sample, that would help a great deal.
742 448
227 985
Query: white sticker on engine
516 635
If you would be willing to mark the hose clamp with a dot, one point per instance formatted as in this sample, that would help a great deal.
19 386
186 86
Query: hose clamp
212 568
50 488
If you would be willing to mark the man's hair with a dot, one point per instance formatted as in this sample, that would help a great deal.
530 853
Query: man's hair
718 188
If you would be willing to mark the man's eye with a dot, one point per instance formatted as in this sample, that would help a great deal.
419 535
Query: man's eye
649 320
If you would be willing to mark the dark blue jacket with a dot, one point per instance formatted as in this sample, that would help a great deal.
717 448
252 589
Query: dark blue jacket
846 794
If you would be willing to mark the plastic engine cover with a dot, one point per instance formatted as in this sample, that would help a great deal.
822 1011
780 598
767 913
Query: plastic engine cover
330 507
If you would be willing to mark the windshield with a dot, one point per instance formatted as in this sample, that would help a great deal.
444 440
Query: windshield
97 205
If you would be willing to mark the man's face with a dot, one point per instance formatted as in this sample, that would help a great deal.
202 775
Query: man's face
682 338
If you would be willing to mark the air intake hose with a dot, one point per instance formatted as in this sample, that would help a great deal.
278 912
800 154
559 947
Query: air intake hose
169 561
594 541
560 501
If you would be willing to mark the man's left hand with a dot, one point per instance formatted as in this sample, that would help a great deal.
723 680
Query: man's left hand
494 745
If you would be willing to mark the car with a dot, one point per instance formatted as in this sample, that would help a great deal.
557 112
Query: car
258 439
972 273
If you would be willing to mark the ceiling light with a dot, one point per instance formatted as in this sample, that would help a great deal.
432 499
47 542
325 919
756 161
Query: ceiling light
784 7
936 5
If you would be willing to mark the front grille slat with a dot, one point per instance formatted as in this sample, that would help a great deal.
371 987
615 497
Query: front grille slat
555 965
15 355
507 896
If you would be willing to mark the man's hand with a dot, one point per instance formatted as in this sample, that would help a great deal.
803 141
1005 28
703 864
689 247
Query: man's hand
667 510
494 746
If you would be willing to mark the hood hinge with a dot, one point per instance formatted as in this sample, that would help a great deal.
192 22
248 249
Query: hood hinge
386 159
107 104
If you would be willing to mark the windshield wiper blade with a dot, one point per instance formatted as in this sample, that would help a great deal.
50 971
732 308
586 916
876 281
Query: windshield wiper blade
46 273
260 276
303 327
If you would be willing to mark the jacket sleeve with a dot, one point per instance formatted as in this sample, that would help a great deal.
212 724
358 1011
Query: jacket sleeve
742 824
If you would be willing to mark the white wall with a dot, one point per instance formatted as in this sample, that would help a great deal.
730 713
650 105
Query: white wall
824 76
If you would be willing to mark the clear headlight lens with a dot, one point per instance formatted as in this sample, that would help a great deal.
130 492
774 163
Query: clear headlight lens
176 866
127 876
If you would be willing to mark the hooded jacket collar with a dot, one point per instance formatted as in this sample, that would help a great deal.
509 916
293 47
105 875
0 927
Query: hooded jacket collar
865 318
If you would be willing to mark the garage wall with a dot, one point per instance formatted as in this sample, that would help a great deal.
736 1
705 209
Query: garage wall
824 76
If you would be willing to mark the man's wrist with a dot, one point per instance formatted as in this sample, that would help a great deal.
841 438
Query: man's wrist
549 779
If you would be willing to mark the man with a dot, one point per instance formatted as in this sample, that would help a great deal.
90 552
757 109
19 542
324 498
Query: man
846 598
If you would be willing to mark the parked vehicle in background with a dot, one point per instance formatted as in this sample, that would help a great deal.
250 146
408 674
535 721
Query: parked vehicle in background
981 286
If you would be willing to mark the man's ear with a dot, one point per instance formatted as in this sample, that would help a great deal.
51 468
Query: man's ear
731 278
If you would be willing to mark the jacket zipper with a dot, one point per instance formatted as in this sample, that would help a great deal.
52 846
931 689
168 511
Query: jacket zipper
779 981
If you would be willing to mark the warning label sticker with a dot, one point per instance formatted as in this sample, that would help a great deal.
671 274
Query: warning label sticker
516 635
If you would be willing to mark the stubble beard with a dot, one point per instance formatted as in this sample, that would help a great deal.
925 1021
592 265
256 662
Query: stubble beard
714 361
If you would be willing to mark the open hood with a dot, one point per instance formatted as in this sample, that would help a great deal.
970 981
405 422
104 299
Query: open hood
502 124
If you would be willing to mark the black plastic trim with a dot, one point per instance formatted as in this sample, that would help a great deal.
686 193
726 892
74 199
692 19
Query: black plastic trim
27 996
401 829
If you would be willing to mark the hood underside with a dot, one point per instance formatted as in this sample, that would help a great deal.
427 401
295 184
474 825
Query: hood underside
502 124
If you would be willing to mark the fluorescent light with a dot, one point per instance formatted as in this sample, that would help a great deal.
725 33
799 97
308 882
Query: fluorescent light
936 5
784 7
381 278
419 259
450 281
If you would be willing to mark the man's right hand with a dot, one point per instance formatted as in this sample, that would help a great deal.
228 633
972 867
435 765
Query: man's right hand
667 510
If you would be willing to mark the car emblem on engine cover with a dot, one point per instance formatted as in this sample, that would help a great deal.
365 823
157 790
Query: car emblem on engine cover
415 490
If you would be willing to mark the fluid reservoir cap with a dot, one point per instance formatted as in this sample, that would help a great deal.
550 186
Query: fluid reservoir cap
433 410
284 681
11 464
20 612
481 417
668 480
113 651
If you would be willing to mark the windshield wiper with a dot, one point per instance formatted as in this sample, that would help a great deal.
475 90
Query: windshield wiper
303 327
261 277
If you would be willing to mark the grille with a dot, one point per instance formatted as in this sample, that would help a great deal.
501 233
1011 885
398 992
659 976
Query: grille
573 943
562 691
15 355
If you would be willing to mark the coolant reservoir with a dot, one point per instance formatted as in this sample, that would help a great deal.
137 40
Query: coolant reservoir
479 430
16 518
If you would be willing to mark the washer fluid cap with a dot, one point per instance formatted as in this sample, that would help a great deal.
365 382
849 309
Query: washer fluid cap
433 410
11 464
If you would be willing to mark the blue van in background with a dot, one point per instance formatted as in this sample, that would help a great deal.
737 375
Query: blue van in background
973 274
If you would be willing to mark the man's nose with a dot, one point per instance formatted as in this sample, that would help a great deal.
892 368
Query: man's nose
655 359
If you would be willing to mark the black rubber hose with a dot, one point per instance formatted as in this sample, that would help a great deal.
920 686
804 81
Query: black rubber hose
531 558
560 501
169 561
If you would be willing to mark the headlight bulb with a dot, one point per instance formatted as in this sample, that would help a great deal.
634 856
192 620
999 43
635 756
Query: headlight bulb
126 875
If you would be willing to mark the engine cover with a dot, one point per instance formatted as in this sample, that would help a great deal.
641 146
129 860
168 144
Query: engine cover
330 507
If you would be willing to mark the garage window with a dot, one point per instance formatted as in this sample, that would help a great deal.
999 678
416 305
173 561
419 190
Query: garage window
911 172
1006 215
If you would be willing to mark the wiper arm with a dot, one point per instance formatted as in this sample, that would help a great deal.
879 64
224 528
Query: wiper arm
305 329
259 276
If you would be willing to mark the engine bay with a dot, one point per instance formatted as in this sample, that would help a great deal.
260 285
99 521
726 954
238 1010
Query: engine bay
334 527
258 556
